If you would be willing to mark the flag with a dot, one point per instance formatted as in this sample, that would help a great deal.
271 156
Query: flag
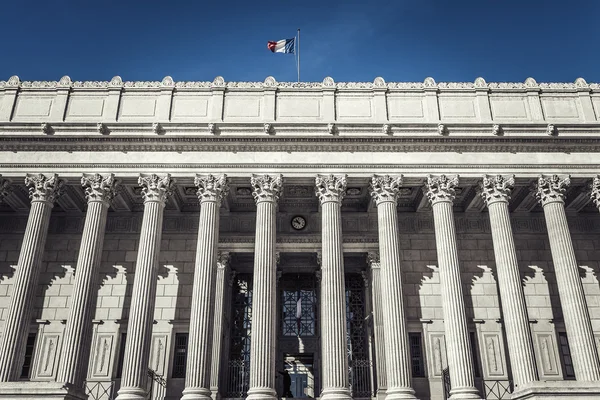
282 46
299 313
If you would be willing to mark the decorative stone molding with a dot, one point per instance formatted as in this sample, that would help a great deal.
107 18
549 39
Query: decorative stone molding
429 82
480 83
441 188
270 82
332 129
550 189
155 188
218 82
385 188
266 187
223 259
373 259
379 83
5 187
331 187
328 83
43 188
497 130
47 128
102 128
157 128
116 82
530 83
595 192
99 188
386 129
442 130
167 82
212 128
268 129
65 82
551 130
580 83
497 188
13 82
211 187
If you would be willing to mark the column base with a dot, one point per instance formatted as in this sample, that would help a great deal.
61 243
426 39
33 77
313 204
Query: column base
40 391
214 393
196 393
550 390
261 393
336 394
400 393
132 393
464 393
381 392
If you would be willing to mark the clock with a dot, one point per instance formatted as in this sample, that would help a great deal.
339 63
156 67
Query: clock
298 223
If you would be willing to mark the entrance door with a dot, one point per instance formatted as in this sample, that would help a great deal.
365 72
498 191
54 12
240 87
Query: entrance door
299 382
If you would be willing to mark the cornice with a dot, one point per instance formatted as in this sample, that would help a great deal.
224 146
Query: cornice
328 83
300 144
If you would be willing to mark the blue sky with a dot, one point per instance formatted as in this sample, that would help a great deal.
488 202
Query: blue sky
399 40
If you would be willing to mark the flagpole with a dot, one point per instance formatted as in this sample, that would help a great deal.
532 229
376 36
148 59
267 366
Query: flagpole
298 48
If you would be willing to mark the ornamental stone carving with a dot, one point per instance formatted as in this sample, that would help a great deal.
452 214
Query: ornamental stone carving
385 188
5 188
116 81
386 129
328 82
102 129
480 83
581 83
551 189
268 129
157 128
212 128
373 259
429 82
266 187
99 188
331 187
442 130
223 258
332 129
530 83
47 128
13 81
65 82
551 130
43 188
167 82
497 130
155 188
441 188
211 187
270 82
379 83
218 82
497 188
595 193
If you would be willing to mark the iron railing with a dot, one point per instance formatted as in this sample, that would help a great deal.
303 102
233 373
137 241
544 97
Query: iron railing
493 389
360 379
100 390
238 381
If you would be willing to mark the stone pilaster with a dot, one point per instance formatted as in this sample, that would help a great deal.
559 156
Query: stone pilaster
441 193
496 191
155 191
595 192
211 191
5 187
99 190
330 189
375 264
43 191
550 192
222 283
384 190
267 190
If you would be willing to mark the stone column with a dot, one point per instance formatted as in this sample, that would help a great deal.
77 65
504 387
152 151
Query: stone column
595 192
496 191
220 307
211 191
375 264
155 191
267 190
5 188
99 191
550 192
384 190
330 190
441 193
43 191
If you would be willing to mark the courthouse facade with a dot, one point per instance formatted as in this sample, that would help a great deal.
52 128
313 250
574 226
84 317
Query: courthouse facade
268 240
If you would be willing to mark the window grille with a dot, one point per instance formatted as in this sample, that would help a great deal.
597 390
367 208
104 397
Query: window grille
416 354
565 352
475 354
29 348
299 298
180 356
119 373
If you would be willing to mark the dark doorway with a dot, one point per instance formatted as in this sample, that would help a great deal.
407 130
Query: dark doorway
298 376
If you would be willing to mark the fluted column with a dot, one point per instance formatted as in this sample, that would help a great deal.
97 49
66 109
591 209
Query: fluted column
5 187
43 191
99 191
595 191
384 190
496 191
155 191
220 307
441 193
267 190
211 190
375 264
330 190
550 192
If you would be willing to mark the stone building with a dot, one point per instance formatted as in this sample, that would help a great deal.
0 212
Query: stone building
218 239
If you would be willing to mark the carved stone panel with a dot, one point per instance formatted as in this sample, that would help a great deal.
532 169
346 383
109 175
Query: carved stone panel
493 354
46 363
547 355
437 349
103 350
158 353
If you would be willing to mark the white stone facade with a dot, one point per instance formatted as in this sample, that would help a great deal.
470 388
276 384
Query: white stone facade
488 267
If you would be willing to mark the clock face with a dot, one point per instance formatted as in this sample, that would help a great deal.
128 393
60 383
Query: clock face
298 223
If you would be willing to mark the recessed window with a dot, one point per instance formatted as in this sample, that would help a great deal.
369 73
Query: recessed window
29 347
475 353
121 355
565 352
180 356
416 354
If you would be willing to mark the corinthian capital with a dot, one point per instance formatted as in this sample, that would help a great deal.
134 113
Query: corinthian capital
155 188
266 187
223 258
331 187
497 188
373 259
595 193
5 187
211 188
98 187
385 188
551 189
441 188
43 188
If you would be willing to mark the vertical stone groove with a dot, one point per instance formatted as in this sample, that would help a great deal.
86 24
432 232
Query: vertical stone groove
220 307
378 327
